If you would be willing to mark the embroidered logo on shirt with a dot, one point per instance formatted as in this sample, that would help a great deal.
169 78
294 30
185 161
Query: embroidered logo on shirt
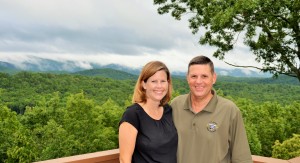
212 126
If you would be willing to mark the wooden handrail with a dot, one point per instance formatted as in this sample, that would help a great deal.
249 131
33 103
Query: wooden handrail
112 156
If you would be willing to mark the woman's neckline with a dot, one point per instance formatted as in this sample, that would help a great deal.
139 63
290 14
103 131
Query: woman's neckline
151 116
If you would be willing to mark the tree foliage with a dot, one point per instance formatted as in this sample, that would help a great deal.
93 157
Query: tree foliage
47 116
267 123
8 126
51 129
289 148
271 28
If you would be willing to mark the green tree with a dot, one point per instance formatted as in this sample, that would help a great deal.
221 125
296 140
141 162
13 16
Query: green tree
15 144
78 121
293 116
271 28
111 113
288 149
8 126
83 122
271 125
248 109
53 141
253 139
22 150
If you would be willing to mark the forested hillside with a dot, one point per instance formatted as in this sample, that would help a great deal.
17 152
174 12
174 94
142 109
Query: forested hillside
45 116
107 72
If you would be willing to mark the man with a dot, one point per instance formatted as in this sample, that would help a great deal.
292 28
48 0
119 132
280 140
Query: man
210 128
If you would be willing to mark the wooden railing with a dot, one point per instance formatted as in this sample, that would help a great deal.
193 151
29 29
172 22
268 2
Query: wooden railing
112 156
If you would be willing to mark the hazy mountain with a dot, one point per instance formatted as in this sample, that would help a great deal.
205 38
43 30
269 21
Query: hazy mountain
47 65
115 71
8 68
7 65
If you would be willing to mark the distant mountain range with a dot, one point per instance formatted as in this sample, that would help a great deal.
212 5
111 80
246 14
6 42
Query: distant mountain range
120 72
37 64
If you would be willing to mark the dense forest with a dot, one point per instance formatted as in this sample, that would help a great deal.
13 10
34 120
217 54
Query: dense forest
46 115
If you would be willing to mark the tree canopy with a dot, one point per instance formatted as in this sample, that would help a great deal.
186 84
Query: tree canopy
45 116
271 29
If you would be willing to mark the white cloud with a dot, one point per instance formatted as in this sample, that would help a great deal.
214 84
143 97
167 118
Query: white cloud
129 33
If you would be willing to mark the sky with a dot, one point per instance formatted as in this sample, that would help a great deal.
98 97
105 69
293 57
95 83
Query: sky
125 32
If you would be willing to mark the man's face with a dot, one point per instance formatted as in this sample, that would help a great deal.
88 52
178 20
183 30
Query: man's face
201 80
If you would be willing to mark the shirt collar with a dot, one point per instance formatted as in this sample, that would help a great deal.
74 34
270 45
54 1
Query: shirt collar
210 107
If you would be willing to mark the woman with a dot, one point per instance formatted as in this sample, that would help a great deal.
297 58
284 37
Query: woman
147 133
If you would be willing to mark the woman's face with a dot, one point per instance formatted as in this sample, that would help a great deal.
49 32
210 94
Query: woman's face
156 86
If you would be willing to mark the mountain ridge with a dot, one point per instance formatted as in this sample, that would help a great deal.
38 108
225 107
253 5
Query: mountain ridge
37 64
117 72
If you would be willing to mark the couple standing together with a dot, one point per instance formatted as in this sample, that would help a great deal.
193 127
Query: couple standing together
198 127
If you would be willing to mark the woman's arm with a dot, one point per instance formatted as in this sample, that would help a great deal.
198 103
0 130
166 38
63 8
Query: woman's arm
127 139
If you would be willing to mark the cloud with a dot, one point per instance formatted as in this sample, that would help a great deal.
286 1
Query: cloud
127 32
89 26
